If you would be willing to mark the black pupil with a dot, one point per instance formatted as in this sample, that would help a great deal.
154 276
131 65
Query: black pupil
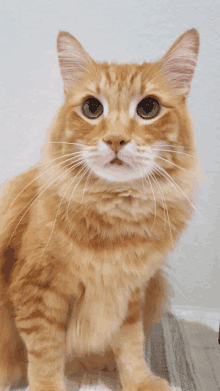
92 108
148 108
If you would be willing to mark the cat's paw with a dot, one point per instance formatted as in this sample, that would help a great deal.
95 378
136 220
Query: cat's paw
155 383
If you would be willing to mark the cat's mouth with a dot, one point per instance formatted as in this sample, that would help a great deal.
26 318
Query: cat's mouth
116 162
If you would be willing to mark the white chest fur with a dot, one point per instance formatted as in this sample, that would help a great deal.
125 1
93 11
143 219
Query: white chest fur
99 316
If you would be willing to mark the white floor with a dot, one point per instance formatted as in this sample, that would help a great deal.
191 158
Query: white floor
207 316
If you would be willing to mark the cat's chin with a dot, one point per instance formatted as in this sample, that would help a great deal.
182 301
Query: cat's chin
117 173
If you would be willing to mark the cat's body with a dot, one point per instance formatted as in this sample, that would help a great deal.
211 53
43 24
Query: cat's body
84 243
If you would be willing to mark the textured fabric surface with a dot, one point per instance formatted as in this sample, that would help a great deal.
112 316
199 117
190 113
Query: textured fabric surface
187 354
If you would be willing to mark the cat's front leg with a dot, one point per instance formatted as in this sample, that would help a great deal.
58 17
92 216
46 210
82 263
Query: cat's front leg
128 347
46 356
43 330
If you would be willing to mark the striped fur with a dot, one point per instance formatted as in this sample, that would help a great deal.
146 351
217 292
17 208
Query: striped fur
83 246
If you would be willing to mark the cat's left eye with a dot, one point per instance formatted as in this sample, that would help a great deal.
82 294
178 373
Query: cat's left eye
92 108
148 108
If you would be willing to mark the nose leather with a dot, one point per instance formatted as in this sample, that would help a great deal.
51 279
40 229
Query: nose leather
116 144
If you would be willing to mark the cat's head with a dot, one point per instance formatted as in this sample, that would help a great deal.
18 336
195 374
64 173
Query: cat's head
125 122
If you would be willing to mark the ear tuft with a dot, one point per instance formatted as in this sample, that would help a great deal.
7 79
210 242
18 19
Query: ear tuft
179 63
74 61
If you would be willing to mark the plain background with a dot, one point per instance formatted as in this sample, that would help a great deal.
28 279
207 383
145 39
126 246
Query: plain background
123 31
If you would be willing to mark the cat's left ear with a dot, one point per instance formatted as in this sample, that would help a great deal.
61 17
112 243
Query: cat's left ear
179 63
74 61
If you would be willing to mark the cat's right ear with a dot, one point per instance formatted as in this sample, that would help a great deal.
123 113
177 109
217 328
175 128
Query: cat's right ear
74 61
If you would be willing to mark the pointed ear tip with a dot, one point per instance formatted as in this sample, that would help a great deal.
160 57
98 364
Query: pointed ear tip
63 33
194 32
194 35
59 36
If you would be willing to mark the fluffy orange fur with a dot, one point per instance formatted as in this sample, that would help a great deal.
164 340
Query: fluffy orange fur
85 233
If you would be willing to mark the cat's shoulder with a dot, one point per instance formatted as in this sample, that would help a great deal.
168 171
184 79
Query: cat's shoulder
19 189
15 197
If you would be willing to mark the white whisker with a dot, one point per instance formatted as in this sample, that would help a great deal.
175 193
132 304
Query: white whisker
169 150
166 212
155 203
161 193
181 153
64 142
176 165
35 198
174 184
42 172
87 180
76 186
71 181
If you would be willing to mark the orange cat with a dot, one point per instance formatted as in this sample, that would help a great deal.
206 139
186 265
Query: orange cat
85 233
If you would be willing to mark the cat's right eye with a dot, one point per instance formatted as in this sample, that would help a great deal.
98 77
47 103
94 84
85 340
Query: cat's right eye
92 108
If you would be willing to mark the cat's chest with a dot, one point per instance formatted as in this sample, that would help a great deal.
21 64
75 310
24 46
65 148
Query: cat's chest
109 274
100 314
102 308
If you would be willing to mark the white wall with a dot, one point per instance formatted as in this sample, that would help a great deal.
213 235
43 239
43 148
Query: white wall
120 30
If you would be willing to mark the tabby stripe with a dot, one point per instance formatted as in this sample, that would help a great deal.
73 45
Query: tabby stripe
50 289
108 76
134 76
39 315
33 300
29 330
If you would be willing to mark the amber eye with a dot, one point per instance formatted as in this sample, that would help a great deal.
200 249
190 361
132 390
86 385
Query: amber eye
148 108
92 108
